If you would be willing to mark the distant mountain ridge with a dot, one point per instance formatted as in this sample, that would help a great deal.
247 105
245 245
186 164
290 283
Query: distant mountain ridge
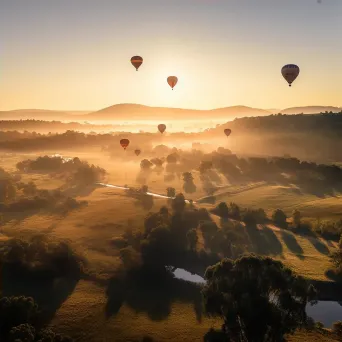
141 112
311 110
127 111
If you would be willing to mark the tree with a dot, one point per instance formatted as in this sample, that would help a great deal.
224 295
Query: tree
279 218
130 257
170 192
178 203
145 164
205 166
234 211
192 239
144 189
187 177
222 210
172 158
189 185
296 217
157 162
15 311
22 333
258 298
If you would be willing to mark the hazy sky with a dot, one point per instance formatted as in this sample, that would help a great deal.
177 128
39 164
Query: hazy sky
75 54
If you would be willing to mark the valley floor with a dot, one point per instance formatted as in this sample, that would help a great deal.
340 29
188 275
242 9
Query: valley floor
82 314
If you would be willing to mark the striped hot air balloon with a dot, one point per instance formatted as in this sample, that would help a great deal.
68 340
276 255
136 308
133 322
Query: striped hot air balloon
136 62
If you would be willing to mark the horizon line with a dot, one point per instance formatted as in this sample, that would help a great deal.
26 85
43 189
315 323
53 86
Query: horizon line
139 104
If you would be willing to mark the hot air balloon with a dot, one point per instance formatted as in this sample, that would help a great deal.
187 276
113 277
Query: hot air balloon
136 61
227 132
124 143
172 81
161 128
137 152
290 72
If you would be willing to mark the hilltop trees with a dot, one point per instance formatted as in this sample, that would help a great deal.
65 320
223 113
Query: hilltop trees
279 218
259 299
296 218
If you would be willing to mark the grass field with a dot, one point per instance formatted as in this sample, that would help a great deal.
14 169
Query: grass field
110 212
308 256
287 198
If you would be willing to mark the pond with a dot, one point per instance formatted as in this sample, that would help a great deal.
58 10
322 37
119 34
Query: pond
326 312
185 275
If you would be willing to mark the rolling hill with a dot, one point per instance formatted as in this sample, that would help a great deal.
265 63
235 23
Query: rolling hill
311 110
127 111
141 112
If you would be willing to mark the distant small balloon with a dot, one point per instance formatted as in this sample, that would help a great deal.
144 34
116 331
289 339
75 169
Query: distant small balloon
290 72
227 132
136 62
124 143
172 81
161 128
137 152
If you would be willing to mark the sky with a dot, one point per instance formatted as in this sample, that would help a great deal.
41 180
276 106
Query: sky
75 54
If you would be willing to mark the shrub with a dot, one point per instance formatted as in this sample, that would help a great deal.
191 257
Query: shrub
337 328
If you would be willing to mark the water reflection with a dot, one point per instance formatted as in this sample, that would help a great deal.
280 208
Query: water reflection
326 312
185 275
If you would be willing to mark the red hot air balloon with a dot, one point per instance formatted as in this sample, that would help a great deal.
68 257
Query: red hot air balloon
124 143
161 128
136 61
172 81
137 152
227 132
290 72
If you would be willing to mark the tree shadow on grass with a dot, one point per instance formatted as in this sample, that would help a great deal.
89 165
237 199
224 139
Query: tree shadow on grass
292 244
49 294
215 336
319 246
151 292
263 240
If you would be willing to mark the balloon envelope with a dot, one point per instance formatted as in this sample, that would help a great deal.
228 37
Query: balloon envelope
161 128
172 81
290 72
124 143
227 132
136 61
137 152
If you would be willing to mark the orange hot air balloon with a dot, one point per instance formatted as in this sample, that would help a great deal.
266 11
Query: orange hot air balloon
124 143
161 128
227 132
137 152
136 61
290 72
172 81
